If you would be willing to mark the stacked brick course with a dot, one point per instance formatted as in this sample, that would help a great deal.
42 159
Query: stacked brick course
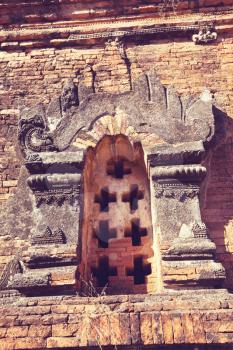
39 11
68 322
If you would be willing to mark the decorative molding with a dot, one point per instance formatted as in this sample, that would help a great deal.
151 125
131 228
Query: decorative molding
9 293
55 164
204 36
179 171
114 125
176 191
49 237
33 136
32 280
58 197
181 153
149 107
12 268
49 182
199 230
220 273
33 158
66 33
133 32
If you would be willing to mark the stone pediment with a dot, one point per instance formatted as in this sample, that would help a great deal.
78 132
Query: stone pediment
148 109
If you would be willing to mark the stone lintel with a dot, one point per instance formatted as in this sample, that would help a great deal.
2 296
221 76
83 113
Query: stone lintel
48 182
186 173
190 247
177 154
194 273
53 162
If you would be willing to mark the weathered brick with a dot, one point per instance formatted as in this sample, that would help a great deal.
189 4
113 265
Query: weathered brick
178 330
62 342
29 343
219 338
167 328
198 329
187 325
7 321
7 344
104 330
17 331
117 331
54 319
135 328
66 330
40 331
146 328
2 332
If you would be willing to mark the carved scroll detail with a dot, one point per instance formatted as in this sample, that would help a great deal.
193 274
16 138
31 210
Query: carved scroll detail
33 135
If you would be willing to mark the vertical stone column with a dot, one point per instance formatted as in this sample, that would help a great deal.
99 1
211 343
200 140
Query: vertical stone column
187 252
50 262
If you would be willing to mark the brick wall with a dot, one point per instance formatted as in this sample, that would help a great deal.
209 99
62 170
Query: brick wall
33 75
21 12
134 321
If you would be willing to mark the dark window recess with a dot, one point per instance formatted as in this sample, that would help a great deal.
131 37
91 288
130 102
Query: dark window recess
103 272
139 271
136 232
104 234
104 198
133 197
118 168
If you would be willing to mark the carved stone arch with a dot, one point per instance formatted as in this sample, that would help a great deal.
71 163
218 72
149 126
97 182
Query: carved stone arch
114 125
149 107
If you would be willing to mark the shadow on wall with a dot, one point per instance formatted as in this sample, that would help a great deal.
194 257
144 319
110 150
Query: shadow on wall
217 200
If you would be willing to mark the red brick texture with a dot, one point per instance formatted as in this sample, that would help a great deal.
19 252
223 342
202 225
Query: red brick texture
71 322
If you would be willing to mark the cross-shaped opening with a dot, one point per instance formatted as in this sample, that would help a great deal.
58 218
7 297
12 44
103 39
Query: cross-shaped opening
118 168
139 271
103 271
104 234
104 198
136 232
133 197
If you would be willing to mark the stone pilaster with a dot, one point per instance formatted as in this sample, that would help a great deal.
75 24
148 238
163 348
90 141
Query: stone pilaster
50 262
186 250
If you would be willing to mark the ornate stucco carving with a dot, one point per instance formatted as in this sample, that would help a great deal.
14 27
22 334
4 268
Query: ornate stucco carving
49 237
205 36
33 134
150 108
176 191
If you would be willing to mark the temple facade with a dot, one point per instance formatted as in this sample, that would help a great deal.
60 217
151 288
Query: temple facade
116 175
